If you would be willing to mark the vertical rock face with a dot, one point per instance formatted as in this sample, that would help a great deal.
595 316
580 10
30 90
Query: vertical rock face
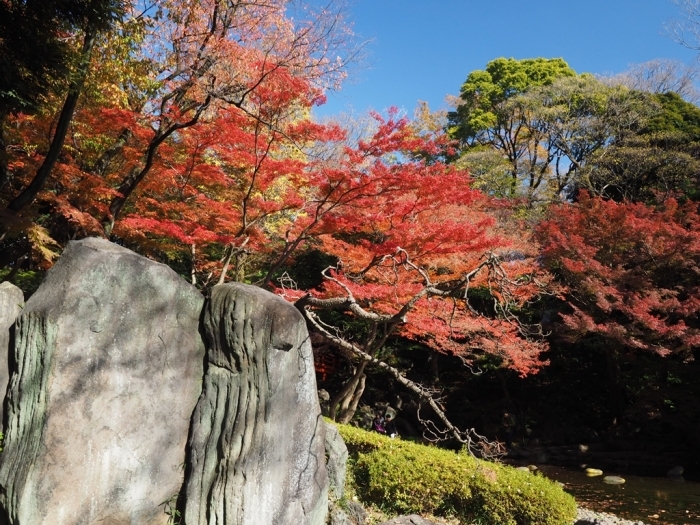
336 465
256 449
11 302
106 371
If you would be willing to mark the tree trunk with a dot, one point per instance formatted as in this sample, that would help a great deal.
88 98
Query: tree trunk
343 405
138 173
193 268
27 196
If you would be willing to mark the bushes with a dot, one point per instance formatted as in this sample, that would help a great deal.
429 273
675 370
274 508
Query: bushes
403 478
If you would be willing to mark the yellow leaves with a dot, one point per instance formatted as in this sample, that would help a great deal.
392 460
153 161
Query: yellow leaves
42 245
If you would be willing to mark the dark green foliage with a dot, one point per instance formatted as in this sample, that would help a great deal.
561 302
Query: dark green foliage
645 168
26 280
677 116
35 51
402 477
661 160
306 267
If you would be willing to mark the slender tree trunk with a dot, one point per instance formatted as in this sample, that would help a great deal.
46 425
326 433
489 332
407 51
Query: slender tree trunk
348 412
193 269
27 196
227 261
344 404
4 171
136 176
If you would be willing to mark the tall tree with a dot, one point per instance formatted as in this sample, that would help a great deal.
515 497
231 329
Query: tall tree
159 75
658 162
215 54
661 76
482 125
542 122
686 30
37 60
410 241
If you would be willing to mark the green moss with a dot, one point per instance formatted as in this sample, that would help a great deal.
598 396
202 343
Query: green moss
26 280
402 477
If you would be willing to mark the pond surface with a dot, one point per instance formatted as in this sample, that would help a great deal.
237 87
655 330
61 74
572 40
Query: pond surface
651 500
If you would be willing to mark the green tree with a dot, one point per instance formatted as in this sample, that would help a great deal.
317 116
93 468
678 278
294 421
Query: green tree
676 115
478 117
484 121
526 128
662 160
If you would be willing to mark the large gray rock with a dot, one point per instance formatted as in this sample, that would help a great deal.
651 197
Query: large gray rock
256 452
109 364
11 303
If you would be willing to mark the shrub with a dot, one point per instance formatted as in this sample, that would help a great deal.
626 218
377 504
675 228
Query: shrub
404 478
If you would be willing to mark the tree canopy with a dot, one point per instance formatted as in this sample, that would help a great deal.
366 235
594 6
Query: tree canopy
185 131
543 121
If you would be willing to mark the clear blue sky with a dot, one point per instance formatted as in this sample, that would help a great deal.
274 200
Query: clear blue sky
423 50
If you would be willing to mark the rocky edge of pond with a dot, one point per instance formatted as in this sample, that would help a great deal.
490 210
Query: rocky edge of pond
589 517
625 457
583 517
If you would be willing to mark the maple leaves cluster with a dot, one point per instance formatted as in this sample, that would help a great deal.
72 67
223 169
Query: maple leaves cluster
632 271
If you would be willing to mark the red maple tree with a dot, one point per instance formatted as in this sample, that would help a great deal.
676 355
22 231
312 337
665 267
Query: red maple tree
632 273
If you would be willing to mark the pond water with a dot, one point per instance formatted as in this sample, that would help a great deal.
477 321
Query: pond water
655 501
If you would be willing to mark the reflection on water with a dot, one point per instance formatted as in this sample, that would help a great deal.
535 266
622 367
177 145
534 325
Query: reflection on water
652 500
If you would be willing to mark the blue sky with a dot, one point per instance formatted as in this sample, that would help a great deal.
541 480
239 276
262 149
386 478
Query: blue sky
424 50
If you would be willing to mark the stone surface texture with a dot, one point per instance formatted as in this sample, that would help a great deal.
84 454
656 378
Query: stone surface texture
589 517
336 464
11 304
413 519
351 513
106 373
256 449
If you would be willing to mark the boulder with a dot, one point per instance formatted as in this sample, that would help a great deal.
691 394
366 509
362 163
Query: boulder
256 449
613 480
107 369
336 464
413 519
11 303
351 513
675 472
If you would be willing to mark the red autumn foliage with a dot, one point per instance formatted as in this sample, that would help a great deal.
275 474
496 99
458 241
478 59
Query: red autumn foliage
222 162
632 271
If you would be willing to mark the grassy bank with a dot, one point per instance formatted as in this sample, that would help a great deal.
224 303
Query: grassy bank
402 477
